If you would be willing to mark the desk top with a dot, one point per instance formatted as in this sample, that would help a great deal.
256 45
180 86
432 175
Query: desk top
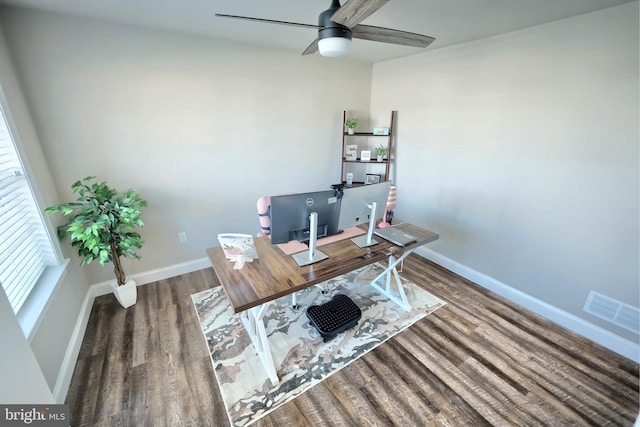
275 274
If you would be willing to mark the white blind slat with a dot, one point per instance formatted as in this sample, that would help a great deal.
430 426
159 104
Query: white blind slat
25 249
21 277
28 281
12 257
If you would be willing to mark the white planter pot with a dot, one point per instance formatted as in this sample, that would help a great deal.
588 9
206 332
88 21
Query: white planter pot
350 131
380 158
126 294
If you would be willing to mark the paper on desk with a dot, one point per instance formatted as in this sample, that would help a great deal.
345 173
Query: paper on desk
238 248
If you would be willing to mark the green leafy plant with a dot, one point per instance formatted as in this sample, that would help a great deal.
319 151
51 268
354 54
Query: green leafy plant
351 123
381 150
102 223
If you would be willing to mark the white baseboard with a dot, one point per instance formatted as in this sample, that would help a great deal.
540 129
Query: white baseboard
172 271
104 288
574 323
73 348
595 333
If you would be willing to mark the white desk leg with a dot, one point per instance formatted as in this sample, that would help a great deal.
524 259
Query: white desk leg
254 324
396 295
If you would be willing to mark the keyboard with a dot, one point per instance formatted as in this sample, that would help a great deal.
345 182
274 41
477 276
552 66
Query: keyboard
395 236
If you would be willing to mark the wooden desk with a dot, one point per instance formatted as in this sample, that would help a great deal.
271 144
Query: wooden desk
275 274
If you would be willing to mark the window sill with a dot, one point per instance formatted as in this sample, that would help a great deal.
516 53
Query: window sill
32 312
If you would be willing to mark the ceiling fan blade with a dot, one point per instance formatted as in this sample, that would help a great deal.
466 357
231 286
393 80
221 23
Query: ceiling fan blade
268 21
354 12
312 48
387 35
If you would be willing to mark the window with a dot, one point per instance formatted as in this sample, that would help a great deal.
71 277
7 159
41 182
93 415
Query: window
29 261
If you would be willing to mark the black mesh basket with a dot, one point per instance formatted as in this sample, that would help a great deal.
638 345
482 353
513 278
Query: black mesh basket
334 316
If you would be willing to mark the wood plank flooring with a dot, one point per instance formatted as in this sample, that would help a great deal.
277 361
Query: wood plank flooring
480 360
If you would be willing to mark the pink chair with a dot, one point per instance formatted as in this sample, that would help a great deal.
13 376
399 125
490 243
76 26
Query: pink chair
388 211
264 207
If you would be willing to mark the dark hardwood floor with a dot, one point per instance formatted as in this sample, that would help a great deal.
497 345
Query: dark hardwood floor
480 360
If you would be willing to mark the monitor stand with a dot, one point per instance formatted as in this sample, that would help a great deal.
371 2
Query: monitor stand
312 255
367 239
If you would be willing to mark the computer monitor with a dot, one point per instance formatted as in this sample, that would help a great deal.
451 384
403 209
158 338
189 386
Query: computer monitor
290 215
356 208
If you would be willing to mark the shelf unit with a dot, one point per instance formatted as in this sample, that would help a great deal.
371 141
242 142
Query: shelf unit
372 166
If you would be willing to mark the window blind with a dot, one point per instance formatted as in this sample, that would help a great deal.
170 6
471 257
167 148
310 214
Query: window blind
25 249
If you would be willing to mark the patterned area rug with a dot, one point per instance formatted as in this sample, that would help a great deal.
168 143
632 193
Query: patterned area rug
301 357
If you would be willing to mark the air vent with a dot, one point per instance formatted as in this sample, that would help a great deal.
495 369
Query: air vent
616 312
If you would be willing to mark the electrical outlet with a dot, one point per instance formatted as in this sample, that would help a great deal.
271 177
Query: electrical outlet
182 237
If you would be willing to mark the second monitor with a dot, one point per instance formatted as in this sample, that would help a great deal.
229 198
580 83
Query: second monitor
363 204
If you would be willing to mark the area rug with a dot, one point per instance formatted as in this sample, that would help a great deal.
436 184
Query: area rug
301 357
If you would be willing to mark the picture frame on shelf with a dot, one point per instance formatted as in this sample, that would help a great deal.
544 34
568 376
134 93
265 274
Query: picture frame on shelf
365 155
381 131
372 179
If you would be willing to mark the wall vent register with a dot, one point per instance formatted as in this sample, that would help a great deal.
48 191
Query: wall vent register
616 312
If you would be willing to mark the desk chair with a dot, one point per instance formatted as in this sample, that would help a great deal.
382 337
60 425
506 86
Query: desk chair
264 217
388 211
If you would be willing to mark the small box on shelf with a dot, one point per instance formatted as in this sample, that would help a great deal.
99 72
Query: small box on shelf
372 179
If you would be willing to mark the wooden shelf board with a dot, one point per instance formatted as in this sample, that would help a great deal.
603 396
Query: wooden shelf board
366 162
364 134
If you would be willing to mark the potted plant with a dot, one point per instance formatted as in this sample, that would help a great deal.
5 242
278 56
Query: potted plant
381 152
351 124
102 224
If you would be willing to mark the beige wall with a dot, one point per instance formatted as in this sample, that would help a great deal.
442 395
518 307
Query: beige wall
22 378
200 128
49 342
521 150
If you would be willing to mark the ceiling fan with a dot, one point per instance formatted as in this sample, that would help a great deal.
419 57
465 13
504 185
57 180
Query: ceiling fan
338 24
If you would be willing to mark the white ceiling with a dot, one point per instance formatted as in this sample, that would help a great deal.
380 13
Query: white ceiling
449 21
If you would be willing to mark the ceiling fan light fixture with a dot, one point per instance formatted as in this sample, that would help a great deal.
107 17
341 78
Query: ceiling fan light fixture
334 37
334 46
